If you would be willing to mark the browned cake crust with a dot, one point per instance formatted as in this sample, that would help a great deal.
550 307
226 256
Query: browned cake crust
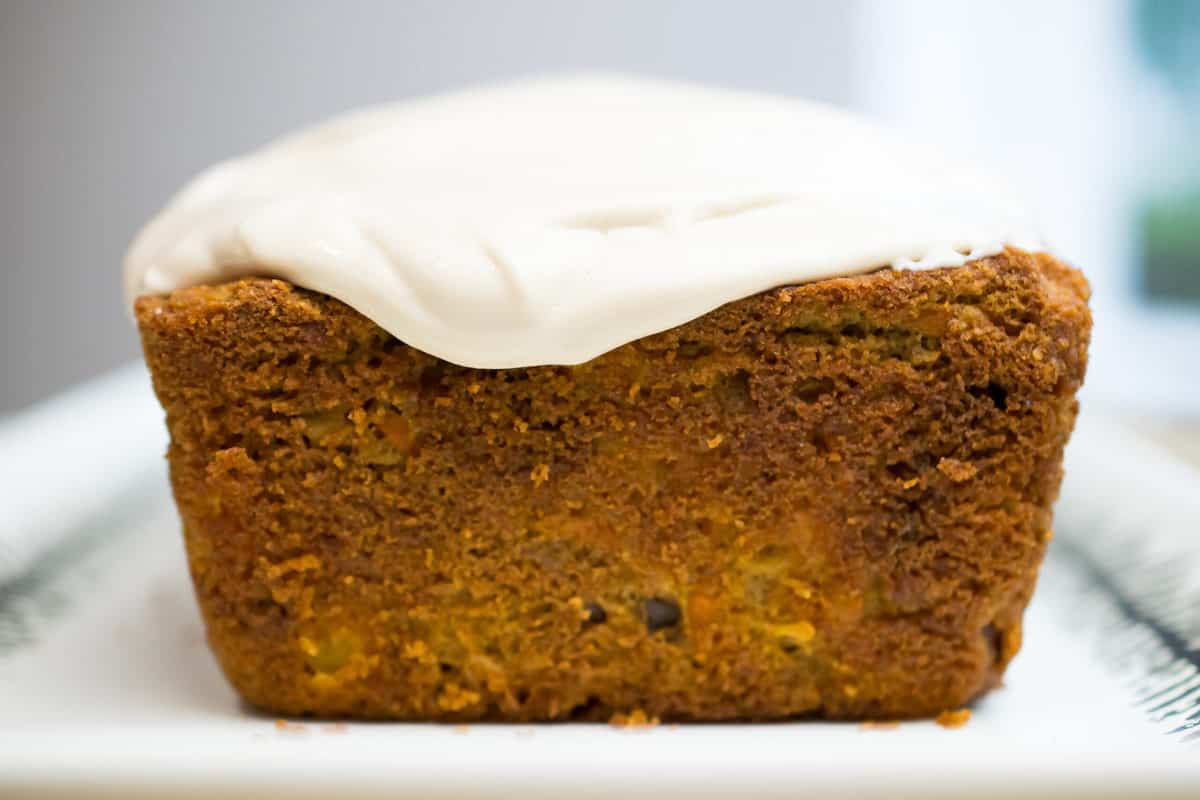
826 500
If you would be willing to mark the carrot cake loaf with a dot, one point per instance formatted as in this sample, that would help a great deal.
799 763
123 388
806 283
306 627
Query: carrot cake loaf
588 397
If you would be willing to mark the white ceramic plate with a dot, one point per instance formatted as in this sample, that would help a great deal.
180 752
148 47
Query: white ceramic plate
107 688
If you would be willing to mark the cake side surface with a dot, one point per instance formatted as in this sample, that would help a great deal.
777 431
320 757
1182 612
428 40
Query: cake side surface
828 500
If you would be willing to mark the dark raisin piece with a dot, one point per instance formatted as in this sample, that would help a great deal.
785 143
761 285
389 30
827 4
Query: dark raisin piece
596 613
661 614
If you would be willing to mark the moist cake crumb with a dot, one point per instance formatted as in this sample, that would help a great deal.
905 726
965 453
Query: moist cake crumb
376 533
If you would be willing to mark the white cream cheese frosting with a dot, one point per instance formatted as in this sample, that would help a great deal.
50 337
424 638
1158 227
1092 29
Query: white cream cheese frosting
551 220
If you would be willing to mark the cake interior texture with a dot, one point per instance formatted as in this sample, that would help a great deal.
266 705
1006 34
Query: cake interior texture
826 500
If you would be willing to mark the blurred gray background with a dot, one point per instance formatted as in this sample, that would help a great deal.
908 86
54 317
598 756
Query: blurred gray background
107 108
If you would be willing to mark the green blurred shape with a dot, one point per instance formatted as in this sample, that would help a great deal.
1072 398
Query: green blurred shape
1170 245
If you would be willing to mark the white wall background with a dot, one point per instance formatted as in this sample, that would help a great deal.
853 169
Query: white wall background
107 108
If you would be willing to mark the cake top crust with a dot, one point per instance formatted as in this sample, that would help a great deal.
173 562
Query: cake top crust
550 220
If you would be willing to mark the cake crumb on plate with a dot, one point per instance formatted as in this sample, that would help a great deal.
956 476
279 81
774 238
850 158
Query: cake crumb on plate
295 728
954 719
880 725
634 719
